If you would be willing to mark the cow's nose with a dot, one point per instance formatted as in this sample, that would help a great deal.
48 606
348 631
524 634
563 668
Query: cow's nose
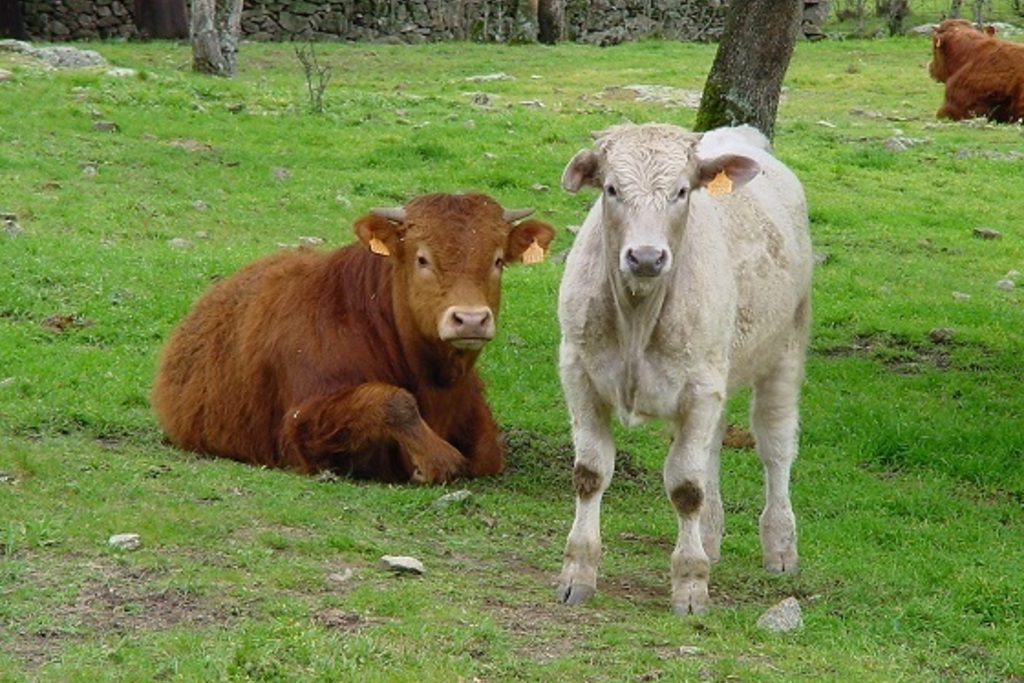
471 320
646 261
468 328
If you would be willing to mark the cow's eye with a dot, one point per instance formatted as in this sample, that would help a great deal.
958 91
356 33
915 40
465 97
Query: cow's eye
681 194
499 263
422 261
611 191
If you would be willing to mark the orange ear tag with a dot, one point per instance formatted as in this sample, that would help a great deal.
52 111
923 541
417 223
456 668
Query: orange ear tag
533 254
719 185
378 247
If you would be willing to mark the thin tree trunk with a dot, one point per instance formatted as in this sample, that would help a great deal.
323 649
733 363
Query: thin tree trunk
161 18
11 25
745 81
550 21
216 28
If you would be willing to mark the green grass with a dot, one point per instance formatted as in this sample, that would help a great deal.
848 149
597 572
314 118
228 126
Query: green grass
908 490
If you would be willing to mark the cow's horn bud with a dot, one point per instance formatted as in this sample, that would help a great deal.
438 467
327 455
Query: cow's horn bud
513 215
396 214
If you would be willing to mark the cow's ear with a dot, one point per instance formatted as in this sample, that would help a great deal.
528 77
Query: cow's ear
380 234
726 173
583 169
528 242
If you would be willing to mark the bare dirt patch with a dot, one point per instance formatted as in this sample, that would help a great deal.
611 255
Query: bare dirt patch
110 599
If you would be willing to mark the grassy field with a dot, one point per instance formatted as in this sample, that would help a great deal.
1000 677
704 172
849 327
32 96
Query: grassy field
130 195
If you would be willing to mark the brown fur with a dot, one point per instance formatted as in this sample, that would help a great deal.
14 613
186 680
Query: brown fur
984 75
312 360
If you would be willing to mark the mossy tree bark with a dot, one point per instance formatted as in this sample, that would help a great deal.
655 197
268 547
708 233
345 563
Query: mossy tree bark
216 28
745 81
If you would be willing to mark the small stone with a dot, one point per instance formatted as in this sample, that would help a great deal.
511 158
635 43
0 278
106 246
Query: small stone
486 78
199 205
281 173
689 651
12 229
447 499
821 258
783 617
105 126
343 576
401 564
179 243
961 296
311 241
987 234
539 187
125 541
941 335
1006 285
122 72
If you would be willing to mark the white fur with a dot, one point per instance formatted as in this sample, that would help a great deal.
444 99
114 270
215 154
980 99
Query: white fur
732 309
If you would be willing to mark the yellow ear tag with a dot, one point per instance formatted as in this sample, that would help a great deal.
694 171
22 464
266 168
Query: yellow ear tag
719 185
378 247
533 254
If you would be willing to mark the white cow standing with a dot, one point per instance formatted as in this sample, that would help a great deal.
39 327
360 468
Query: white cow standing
683 285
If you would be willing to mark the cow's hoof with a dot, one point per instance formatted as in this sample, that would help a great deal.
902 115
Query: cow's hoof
689 609
691 597
575 593
782 563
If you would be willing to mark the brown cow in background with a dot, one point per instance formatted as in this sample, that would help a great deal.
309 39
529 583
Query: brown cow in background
358 360
984 75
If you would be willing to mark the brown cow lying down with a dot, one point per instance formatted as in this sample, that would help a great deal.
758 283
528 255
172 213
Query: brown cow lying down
358 360
984 75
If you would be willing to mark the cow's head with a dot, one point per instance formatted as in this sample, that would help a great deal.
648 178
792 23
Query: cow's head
449 251
647 174
953 43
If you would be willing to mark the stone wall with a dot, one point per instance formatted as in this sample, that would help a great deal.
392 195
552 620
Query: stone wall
62 20
597 21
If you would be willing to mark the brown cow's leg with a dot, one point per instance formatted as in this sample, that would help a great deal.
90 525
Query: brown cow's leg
347 430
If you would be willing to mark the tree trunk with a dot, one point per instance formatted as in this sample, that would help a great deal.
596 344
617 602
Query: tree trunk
550 21
216 27
11 25
161 18
746 77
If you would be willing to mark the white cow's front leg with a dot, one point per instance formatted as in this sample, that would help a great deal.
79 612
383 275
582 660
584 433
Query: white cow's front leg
712 514
591 474
774 419
686 475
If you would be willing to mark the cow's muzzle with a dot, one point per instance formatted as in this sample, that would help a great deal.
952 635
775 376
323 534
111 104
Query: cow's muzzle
467 328
646 261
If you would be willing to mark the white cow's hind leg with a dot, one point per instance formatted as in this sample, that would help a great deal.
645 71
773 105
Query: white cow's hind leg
592 472
775 423
686 475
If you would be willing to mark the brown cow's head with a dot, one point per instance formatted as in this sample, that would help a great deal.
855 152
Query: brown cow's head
449 251
953 41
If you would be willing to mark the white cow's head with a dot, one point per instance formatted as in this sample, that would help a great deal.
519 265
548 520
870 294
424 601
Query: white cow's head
647 174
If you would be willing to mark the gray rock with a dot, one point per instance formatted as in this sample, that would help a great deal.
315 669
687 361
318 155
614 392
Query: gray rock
987 234
125 541
66 57
447 499
401 564
783 617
